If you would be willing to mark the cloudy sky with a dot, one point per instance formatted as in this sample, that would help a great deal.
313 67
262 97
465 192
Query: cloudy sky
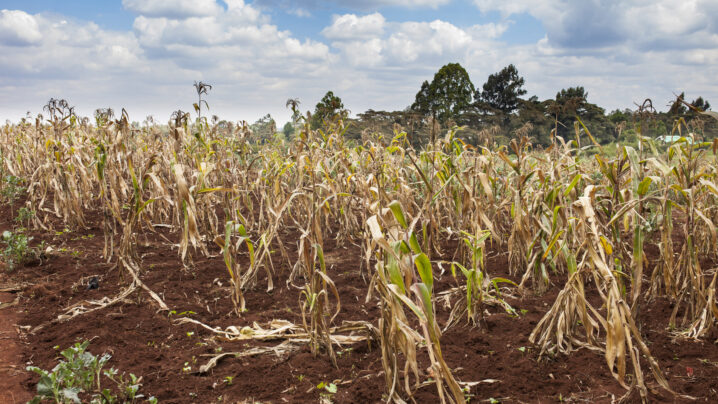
144 55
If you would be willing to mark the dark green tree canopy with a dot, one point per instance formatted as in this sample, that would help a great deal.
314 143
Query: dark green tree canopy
288 130
572 100
329 106
448 95
423 102
502 90
701 104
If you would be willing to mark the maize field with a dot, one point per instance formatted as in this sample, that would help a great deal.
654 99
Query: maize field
322 270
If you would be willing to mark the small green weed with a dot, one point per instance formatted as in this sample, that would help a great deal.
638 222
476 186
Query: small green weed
24 215
80 372
12 188
17 249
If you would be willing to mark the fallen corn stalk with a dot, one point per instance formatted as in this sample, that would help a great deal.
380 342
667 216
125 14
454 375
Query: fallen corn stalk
279 350
133 269
80 308
286 330
13 287
10 304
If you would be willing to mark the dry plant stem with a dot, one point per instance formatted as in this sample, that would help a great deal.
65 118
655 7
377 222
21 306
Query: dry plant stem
621 330
133 269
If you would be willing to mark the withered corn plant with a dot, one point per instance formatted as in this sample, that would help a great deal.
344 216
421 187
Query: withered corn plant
479 288
558 330
230 252
399 260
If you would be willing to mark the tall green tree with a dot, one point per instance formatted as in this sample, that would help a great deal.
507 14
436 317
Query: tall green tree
423 102
701 104
447 96
571 103
502 90
535 112
327 108
288 130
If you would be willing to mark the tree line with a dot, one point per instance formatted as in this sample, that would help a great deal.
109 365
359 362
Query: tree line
498 111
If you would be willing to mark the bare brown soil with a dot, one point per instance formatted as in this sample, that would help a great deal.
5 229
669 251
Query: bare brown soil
149 343
12 370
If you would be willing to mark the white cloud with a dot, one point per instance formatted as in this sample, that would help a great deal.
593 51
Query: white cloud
173 8
18 28
403 3
253 64
350 26
623 53
604 23
240 32
371 41
361 5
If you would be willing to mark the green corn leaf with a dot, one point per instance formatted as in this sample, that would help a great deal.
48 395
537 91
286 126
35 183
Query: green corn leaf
398 212
320 254
414 243
644 185
588 132
216 189
424 293
573 184
423 265
395 275
498 280
551 244
404 299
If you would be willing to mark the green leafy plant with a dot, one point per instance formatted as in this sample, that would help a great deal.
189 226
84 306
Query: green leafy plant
80 372
327 391
24 215
11 189
479 284
17 249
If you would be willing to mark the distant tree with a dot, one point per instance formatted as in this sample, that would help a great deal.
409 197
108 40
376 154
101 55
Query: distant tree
447 96
572 100
618 116
327 108
620 121
536 113
701 104
288 130
502 90
571 103
264 128
423 103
